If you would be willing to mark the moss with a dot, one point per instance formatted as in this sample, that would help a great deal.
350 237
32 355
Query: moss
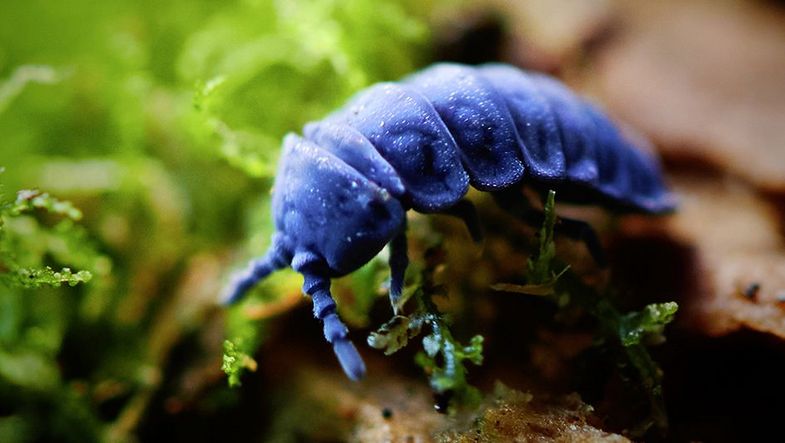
443 358
624 333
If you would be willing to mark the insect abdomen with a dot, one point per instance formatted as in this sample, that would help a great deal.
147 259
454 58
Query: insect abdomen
494 126
408 132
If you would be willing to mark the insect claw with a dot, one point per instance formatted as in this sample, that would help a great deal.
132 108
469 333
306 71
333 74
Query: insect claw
350 359
335 332
399 260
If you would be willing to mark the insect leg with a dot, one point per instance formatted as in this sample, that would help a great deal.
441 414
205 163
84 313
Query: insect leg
581 231
257 270
466 211
336 333
399 260
577 230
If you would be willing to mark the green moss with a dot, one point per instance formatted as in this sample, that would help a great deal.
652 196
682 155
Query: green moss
444 359
161 122
265 68
23 246
235 362
629 332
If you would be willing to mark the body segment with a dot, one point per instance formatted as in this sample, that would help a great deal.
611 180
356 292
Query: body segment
479 122
408 132
342 191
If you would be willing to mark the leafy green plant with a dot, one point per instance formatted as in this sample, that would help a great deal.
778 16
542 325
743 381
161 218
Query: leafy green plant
20 264
265 68
632 331
16 273
162 123
38 231
234 361
443 358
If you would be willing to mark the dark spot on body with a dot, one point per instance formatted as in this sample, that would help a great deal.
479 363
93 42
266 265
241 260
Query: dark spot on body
751 291
387 413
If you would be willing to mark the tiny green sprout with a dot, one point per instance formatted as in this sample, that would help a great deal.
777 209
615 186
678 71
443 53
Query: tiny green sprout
204 92
450 376
394 335
29 200
646 326
34 278
540 275
246 335
13 272
540 266
235 362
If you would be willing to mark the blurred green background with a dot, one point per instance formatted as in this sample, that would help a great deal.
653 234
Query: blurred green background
160 122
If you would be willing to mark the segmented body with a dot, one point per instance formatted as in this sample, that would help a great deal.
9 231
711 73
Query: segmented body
342 190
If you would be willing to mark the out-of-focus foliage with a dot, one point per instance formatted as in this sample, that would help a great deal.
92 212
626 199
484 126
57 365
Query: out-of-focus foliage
261 56
23 243
234 362
32 326
161 122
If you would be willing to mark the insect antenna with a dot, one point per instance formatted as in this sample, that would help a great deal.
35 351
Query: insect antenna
256 271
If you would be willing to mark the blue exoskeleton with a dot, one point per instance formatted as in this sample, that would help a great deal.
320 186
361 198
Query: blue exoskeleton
343 189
